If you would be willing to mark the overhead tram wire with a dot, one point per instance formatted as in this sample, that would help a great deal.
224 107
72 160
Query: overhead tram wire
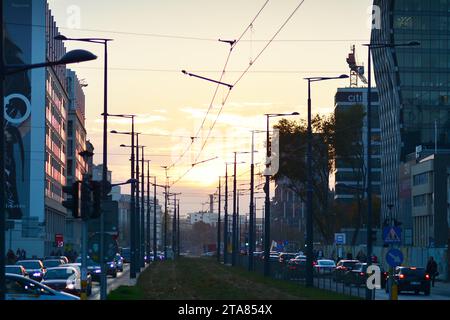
245 72
233 44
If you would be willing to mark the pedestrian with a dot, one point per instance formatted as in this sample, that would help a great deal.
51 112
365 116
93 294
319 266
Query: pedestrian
432 270
11 257
18 253
23 254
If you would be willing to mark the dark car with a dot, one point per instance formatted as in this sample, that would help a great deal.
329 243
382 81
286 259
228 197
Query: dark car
412 279
126 254
51 263
15 269
342 267
285 257
118 259
358 275
66 279
21 288
296 268
93 268
34 268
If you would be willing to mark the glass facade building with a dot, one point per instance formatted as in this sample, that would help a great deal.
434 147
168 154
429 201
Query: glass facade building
413 83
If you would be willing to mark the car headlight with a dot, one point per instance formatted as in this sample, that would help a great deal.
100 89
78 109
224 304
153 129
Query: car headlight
111 265
36 274
98 271
70 286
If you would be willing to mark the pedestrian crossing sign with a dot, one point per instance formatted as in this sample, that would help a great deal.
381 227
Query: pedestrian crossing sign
392 235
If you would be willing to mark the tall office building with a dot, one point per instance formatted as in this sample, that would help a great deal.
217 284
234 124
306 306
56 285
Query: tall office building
36 117
413 84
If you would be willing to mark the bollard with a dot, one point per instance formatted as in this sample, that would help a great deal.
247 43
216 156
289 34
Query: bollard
394 290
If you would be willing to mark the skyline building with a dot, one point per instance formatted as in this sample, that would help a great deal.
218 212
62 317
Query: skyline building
413 84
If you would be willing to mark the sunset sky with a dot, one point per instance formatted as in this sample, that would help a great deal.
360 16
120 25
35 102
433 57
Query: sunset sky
158 39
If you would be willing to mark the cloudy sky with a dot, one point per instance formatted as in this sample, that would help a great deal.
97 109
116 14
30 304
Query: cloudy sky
155 40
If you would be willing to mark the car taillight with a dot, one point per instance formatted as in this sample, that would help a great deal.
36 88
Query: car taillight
362 274
427 276
402 276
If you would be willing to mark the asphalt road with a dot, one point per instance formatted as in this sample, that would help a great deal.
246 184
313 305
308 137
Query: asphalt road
123 279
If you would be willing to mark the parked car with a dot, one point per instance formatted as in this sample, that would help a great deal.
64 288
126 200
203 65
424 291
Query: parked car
119 262
21 288
15 269
285 257
67 279
358 275
51 263
34 268
412 279
342 267
324 267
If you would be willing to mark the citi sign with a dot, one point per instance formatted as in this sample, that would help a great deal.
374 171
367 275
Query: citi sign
349 97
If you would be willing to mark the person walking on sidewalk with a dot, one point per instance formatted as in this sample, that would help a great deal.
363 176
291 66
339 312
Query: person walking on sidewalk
432 269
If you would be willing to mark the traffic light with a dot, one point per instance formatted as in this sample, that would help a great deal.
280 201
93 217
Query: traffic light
86 199
73 201
96 210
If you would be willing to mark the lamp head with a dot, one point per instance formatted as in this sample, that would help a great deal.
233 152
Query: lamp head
60 37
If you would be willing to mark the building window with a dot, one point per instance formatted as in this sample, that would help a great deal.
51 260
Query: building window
420 201
420 179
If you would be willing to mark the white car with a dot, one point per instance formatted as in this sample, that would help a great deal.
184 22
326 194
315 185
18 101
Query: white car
21 288
324 266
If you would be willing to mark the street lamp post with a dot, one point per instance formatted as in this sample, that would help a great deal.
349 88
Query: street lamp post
148 211
309 191
225 219
166 191
74 56
142 225
371 46
267 242
104 42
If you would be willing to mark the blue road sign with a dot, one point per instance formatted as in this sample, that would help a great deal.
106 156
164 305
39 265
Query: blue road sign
392 235
339 238
394 257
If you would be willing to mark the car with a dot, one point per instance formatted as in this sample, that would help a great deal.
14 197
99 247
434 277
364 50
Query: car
119 262
296 268
88 276
412 279
34 268
21 288
15 269
258 255
358 275
285 257
342 267
324 267
111 268
67 279
126 254
51 263
64 258
93 268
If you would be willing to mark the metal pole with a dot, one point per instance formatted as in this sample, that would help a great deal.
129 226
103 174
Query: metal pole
148 210
165 221
309 222
369 169
142 232
155 238
218 223
174 225
137 228
103 282
84 270
251 240
225 221
2 160
178 229
133 209
234 233
267 211
238 225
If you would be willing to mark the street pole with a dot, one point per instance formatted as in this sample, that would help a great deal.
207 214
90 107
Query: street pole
309 199
103 282
267 210
137 228
148 211
133 208
234 231
155 238
218 223
369 168
2 160
174 225
251 240
238 224
178 229
225 221
142 232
